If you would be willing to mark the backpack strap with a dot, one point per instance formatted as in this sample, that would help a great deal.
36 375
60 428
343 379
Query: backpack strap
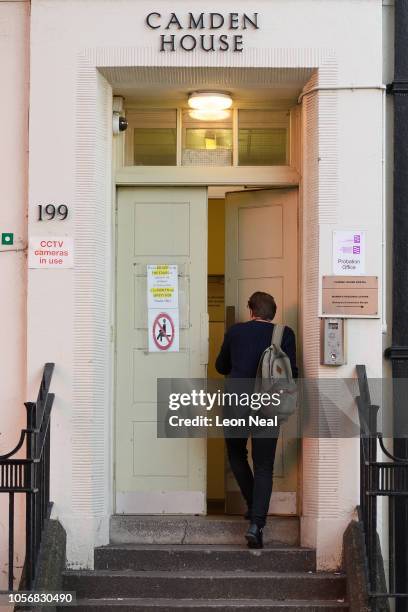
277 335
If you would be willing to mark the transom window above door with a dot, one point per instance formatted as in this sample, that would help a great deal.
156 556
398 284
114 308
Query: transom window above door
174 137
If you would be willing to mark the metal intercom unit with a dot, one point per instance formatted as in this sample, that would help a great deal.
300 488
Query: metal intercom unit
333 350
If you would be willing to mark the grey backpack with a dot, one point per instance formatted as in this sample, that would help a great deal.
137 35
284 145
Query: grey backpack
274 376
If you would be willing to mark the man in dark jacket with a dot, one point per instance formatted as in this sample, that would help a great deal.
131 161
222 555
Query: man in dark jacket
239 356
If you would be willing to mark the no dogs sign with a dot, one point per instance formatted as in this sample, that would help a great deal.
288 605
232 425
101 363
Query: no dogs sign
163 331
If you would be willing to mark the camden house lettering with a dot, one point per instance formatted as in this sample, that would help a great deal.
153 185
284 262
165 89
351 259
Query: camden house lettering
185 32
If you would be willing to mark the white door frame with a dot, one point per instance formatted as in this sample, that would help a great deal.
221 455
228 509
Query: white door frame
277 177
186 176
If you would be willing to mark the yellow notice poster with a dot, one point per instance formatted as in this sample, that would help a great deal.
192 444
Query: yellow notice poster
162 286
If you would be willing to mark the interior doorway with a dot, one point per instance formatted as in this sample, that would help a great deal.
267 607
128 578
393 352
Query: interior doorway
252 245
216 460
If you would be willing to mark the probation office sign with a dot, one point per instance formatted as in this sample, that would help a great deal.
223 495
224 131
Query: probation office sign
349 252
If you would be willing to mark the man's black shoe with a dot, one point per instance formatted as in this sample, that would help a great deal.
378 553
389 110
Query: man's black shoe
254 536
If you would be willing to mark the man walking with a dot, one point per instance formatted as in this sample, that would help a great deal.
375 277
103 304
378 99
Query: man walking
239 356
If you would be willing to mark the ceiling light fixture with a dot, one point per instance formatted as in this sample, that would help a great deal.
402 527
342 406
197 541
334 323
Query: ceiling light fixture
209 115
209 105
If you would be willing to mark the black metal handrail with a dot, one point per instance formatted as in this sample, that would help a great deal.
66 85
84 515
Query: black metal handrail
378 479
30 476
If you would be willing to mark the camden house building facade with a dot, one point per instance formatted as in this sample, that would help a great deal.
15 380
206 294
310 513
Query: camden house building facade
256 157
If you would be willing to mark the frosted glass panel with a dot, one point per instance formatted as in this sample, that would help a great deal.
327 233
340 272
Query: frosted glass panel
155 146
262 138
206 143
154 137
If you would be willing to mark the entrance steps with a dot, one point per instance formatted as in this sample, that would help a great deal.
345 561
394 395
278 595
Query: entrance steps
202 564
221 529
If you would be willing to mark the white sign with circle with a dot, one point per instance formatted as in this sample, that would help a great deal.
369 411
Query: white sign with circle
163 331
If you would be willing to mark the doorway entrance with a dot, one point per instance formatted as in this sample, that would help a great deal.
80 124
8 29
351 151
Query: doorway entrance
252 246
217 270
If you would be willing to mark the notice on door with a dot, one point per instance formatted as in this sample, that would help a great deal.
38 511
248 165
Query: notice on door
163 308
163 330
349 252
350 296
51 252
162 286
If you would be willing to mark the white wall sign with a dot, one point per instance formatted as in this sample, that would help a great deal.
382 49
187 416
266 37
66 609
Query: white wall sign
162 286
162 304
163 330
51 252
349 252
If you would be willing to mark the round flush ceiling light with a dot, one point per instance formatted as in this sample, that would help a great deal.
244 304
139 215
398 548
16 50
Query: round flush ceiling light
209 101
209 115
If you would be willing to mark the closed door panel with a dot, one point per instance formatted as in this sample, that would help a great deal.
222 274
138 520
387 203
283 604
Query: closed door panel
261 255
158 226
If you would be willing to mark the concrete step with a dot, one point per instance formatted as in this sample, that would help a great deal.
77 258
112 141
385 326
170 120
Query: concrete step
188 529
206 605
204 585
176 557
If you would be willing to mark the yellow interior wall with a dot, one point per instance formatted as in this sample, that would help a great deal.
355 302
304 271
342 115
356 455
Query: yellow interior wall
216 309
216 236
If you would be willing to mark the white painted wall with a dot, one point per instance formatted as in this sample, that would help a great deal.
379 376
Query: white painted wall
14 76
69 163
331 487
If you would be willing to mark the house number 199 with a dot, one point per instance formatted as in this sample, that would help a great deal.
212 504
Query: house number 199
49 212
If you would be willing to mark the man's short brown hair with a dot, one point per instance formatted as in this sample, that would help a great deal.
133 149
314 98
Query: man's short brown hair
262 305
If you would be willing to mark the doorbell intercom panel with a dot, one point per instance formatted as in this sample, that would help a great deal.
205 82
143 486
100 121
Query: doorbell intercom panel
333 351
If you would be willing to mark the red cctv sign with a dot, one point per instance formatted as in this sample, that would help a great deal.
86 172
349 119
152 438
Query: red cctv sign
51 252
52 244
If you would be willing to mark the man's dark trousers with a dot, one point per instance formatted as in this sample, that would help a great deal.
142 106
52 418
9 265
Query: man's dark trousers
256 487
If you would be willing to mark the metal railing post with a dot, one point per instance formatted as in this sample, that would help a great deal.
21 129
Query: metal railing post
30 476
29 564
378 478
11 543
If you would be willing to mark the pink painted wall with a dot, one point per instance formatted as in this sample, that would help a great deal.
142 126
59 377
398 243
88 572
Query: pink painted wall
14 86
